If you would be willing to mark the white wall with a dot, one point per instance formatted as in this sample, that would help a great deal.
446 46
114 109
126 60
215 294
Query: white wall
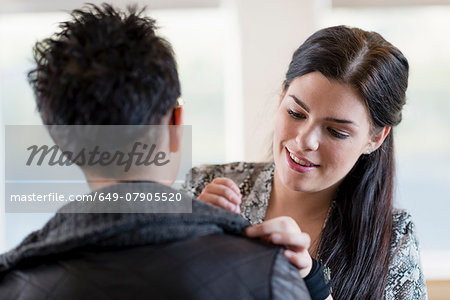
267 32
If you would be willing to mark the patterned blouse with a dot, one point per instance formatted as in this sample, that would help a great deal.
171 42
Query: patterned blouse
405 278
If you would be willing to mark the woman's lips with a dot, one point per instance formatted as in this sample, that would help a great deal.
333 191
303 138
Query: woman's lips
299 164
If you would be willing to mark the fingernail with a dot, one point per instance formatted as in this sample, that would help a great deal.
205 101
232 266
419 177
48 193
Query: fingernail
276 237
288 253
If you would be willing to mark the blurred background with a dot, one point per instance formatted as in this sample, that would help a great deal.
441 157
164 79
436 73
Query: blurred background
232 55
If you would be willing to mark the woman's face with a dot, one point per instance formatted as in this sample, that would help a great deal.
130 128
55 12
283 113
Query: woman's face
322 127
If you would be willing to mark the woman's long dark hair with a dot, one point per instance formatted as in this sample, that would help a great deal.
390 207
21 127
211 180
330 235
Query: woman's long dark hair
355 243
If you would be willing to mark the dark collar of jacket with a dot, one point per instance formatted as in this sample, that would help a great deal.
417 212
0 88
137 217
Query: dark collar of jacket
68 231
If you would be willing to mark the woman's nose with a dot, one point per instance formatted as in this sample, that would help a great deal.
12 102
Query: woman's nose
308 138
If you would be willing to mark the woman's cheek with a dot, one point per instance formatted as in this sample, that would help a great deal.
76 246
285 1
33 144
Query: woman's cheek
284 130
343 159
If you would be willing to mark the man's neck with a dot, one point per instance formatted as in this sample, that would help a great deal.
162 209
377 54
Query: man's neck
101 183
97 182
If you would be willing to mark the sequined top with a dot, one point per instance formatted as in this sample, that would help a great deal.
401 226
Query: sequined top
405 277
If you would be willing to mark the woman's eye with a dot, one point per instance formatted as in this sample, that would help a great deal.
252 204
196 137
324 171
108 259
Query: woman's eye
296 115
337 134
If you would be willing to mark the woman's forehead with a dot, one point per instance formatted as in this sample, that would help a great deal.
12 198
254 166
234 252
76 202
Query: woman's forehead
320 95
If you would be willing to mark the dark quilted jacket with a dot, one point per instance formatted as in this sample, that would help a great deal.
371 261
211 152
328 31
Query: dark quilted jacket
198 255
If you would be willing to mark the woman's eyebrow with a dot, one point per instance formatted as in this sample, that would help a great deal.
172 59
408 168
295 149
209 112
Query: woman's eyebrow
341 121
335 120
300 103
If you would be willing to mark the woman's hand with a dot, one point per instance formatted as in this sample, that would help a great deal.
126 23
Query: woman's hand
284 231
224 193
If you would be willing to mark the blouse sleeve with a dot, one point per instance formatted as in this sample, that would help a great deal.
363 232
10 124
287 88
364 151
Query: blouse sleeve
405 278
197 178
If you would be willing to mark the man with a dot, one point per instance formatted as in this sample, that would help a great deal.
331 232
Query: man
108 67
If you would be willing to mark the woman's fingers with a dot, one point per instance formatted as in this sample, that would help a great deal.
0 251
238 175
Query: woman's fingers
229 183
301 260
223 191
217 201
284 231
279 224
294 241
281 231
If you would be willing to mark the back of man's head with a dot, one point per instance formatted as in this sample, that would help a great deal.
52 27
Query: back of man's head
105 67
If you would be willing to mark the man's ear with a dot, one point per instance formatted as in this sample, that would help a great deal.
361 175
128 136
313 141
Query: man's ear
177 116
176 130
379 138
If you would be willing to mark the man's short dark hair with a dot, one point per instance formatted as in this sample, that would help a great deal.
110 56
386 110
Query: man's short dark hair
105 67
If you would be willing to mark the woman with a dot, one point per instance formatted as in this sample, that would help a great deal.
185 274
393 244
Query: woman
329 192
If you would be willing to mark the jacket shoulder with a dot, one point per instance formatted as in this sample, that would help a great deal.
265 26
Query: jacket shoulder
230 267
